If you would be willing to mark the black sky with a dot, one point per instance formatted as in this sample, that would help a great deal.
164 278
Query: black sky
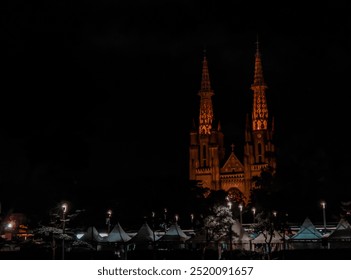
101 94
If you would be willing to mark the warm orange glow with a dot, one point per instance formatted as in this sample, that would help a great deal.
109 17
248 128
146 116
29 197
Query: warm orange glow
208 163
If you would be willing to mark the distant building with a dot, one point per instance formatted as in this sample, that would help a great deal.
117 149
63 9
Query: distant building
208 161
14 226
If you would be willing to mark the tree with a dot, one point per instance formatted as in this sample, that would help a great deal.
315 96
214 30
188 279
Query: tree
218 224
266 225
56 230
216 197
265 198
345 210
272 225
264 191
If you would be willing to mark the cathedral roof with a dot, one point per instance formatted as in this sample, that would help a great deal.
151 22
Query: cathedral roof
232 164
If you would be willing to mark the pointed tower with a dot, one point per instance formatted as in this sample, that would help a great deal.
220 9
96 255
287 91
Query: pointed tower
206 108
208 161
259 147
259 110
206 143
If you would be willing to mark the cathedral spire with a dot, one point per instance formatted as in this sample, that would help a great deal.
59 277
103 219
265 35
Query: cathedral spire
205 93
258 77
259 110
205 82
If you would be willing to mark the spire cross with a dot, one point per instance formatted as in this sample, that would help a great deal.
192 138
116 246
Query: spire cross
232 145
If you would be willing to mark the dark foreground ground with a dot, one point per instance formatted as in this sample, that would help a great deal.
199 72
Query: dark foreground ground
320 254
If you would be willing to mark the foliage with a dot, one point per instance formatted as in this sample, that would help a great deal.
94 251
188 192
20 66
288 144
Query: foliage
82 244
345 210
264 191
219 223
267 223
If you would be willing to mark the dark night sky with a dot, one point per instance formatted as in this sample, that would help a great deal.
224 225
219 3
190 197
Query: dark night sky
101 94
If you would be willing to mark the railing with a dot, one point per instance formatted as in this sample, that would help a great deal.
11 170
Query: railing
203 170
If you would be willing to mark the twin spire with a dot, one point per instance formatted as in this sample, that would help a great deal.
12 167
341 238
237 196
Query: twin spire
258 77
205 81
260 110
206 108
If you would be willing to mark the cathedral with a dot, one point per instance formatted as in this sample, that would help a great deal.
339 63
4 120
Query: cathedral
208 162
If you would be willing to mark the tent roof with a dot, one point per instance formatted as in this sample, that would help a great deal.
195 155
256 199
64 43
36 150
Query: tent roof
307 231
199 236
91 234
342 231
117 234
239 233
343 224
174 233
261 238
145 234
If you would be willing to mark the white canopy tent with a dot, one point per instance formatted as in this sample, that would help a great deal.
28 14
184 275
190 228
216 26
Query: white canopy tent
266 238
117 234
91 234
341 236
144 235
240 237
174 234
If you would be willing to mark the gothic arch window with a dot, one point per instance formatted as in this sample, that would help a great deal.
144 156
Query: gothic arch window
235 195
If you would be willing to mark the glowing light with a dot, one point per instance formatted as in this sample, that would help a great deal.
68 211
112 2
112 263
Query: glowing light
79 235
64 207
323 204
9 225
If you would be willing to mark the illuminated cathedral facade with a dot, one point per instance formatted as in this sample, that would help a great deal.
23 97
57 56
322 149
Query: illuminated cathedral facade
208 162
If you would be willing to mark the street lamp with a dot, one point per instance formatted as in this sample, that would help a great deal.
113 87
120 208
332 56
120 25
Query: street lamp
230 204
165 214
165 219
241 213
64 211
324 218
108 220
253 209
153 227
153 214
